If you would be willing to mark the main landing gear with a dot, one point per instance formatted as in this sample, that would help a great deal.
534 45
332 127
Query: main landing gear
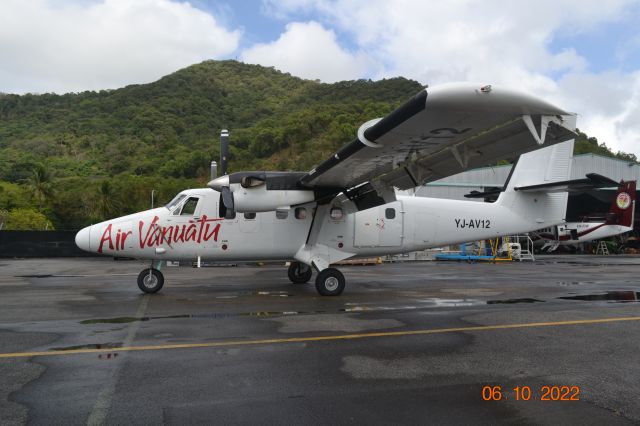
299 273
329 282
150 280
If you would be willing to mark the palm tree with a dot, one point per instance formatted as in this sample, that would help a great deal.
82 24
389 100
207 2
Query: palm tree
106 203
40 183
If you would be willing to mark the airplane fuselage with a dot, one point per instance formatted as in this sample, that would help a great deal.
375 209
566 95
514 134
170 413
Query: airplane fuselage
408 224
573 233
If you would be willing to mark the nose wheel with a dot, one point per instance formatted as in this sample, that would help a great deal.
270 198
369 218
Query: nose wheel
330 282
299 273
150 280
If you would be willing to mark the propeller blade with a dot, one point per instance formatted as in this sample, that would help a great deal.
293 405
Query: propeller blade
227 197
222 210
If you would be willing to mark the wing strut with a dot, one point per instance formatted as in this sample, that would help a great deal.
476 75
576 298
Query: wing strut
544 125
317 255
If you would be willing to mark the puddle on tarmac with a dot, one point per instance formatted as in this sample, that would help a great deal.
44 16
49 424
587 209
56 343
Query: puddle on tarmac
569 283
612 296
437 302
47 276
237 294
351 307
108 345
509 301
119 320
34 276
213 315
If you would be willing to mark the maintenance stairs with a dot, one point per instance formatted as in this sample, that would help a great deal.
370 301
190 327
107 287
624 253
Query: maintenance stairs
526 247
602 249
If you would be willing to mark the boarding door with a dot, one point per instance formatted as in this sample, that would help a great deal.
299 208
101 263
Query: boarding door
380 226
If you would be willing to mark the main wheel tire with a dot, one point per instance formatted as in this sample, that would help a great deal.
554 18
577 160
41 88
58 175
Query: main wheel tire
299 273
150 280
330 282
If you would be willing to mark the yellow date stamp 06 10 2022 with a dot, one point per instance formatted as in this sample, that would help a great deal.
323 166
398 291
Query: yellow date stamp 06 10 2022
531 393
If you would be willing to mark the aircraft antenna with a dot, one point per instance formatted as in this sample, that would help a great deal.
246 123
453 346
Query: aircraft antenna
214 170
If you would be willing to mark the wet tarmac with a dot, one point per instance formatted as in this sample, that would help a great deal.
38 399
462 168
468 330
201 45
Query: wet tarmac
550 342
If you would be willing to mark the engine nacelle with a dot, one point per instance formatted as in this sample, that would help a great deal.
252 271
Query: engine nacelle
260 199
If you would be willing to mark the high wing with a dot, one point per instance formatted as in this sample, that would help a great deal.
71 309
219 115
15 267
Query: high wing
442 131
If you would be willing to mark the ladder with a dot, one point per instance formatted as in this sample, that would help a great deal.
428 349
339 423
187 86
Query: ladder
526 253
602 249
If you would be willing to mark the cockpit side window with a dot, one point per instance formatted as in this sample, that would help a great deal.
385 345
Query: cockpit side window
189 207
176 200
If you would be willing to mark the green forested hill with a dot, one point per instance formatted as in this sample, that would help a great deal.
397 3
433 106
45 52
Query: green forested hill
78 158
83 157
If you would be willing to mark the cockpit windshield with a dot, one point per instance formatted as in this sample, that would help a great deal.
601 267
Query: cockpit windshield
176 200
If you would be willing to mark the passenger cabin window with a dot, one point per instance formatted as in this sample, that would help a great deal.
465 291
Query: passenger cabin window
189 207
390 213
249 216
282 214
230 214
336 213
301 213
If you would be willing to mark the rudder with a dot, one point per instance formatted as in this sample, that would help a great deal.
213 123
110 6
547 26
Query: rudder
623 205
547 165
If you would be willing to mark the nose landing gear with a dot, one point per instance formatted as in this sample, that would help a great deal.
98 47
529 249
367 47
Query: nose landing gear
150 280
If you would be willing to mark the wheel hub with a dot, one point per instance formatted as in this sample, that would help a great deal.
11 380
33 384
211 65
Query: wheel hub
150 281
331 283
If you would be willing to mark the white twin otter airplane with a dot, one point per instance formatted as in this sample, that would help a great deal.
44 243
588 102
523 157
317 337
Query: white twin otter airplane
347 206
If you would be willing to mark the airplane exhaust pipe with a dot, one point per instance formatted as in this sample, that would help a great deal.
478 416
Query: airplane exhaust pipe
224 151
214 170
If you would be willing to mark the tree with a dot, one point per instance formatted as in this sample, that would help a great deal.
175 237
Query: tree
40 183
106 203
27 220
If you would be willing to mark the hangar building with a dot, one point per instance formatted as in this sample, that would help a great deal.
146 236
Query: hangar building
580 204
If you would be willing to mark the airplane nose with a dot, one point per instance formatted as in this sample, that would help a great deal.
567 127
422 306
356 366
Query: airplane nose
83 239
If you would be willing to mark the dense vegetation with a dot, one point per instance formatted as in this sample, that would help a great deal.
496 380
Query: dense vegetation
69 160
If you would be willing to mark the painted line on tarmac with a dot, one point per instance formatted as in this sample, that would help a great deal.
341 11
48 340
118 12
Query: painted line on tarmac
101 408
322 338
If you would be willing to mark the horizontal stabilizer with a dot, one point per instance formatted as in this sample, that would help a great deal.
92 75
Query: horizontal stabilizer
484 194
592 181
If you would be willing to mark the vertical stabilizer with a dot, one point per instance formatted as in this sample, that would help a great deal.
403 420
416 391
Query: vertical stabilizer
546 165
623 206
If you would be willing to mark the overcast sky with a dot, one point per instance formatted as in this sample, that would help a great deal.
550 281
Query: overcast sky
584 55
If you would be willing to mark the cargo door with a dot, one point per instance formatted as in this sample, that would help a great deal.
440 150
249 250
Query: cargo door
425 227
380 226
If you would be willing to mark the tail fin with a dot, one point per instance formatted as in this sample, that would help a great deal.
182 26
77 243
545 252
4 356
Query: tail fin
623 207
551 164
